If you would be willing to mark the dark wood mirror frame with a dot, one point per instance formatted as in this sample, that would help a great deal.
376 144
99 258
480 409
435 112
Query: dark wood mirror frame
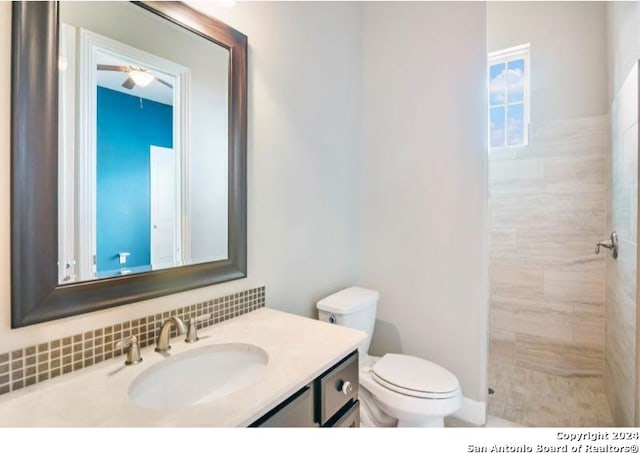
36 295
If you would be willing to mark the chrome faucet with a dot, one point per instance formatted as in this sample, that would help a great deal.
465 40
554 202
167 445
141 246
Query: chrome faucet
162 343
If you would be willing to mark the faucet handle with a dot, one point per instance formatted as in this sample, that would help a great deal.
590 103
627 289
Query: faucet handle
133 350
192 331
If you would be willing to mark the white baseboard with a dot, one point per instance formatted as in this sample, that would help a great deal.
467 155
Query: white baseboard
472 411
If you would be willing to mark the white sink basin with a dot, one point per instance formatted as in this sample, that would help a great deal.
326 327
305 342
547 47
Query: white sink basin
199 376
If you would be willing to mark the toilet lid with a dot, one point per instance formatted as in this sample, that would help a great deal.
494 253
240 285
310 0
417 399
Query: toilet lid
414 376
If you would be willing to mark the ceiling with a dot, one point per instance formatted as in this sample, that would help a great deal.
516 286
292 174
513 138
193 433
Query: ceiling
113 80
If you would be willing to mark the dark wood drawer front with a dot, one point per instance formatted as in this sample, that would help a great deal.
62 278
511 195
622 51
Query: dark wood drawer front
350 419
338 387
295 412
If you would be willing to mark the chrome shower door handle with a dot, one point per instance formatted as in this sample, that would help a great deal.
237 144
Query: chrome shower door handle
611 244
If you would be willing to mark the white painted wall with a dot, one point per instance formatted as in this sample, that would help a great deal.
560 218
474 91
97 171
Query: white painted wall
568 51
305 135
424 183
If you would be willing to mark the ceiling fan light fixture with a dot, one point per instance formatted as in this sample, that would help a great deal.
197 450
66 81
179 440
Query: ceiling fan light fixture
141 77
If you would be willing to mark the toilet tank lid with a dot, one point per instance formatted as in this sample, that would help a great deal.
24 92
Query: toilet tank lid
348 300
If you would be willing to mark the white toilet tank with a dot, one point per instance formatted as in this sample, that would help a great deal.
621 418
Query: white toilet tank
352 307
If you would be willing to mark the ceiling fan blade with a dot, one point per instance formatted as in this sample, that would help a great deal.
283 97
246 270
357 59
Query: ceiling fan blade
111 67
164 82
129 83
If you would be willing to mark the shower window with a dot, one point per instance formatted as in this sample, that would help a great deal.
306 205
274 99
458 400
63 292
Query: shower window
509 73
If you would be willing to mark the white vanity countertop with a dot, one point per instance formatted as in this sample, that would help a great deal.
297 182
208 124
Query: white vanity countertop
299 350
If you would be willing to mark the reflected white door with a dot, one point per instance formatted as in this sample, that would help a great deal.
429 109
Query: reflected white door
163 207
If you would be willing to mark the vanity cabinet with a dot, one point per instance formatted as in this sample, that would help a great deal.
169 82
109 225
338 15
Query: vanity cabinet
330 400
295 411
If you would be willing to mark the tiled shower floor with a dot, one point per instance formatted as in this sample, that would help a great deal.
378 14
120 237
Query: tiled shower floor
532 398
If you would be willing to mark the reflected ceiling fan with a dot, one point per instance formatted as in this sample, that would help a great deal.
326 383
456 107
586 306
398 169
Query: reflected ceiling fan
137 76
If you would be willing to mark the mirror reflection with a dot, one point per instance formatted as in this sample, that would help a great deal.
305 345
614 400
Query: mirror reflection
143 147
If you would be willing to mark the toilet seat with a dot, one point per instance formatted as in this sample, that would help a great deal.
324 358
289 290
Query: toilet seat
415 377
406 408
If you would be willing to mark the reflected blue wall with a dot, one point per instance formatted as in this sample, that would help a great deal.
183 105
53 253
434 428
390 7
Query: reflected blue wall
125 132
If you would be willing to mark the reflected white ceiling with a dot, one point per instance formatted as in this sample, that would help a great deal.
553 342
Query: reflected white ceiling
113 80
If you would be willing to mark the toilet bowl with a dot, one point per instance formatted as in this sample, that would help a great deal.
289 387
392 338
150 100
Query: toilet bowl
414 392
395 389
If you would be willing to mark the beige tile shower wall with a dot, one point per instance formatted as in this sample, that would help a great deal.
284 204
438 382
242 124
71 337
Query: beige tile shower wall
547 208
620 366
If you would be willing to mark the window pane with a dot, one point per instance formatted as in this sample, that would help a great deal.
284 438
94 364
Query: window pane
496 84
515 125
496 128
515 80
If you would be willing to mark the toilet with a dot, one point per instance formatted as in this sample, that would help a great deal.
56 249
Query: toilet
395 389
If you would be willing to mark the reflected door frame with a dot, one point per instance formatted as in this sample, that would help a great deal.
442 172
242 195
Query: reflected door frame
81 252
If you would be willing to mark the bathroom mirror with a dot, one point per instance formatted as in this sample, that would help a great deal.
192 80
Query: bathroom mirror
128 154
